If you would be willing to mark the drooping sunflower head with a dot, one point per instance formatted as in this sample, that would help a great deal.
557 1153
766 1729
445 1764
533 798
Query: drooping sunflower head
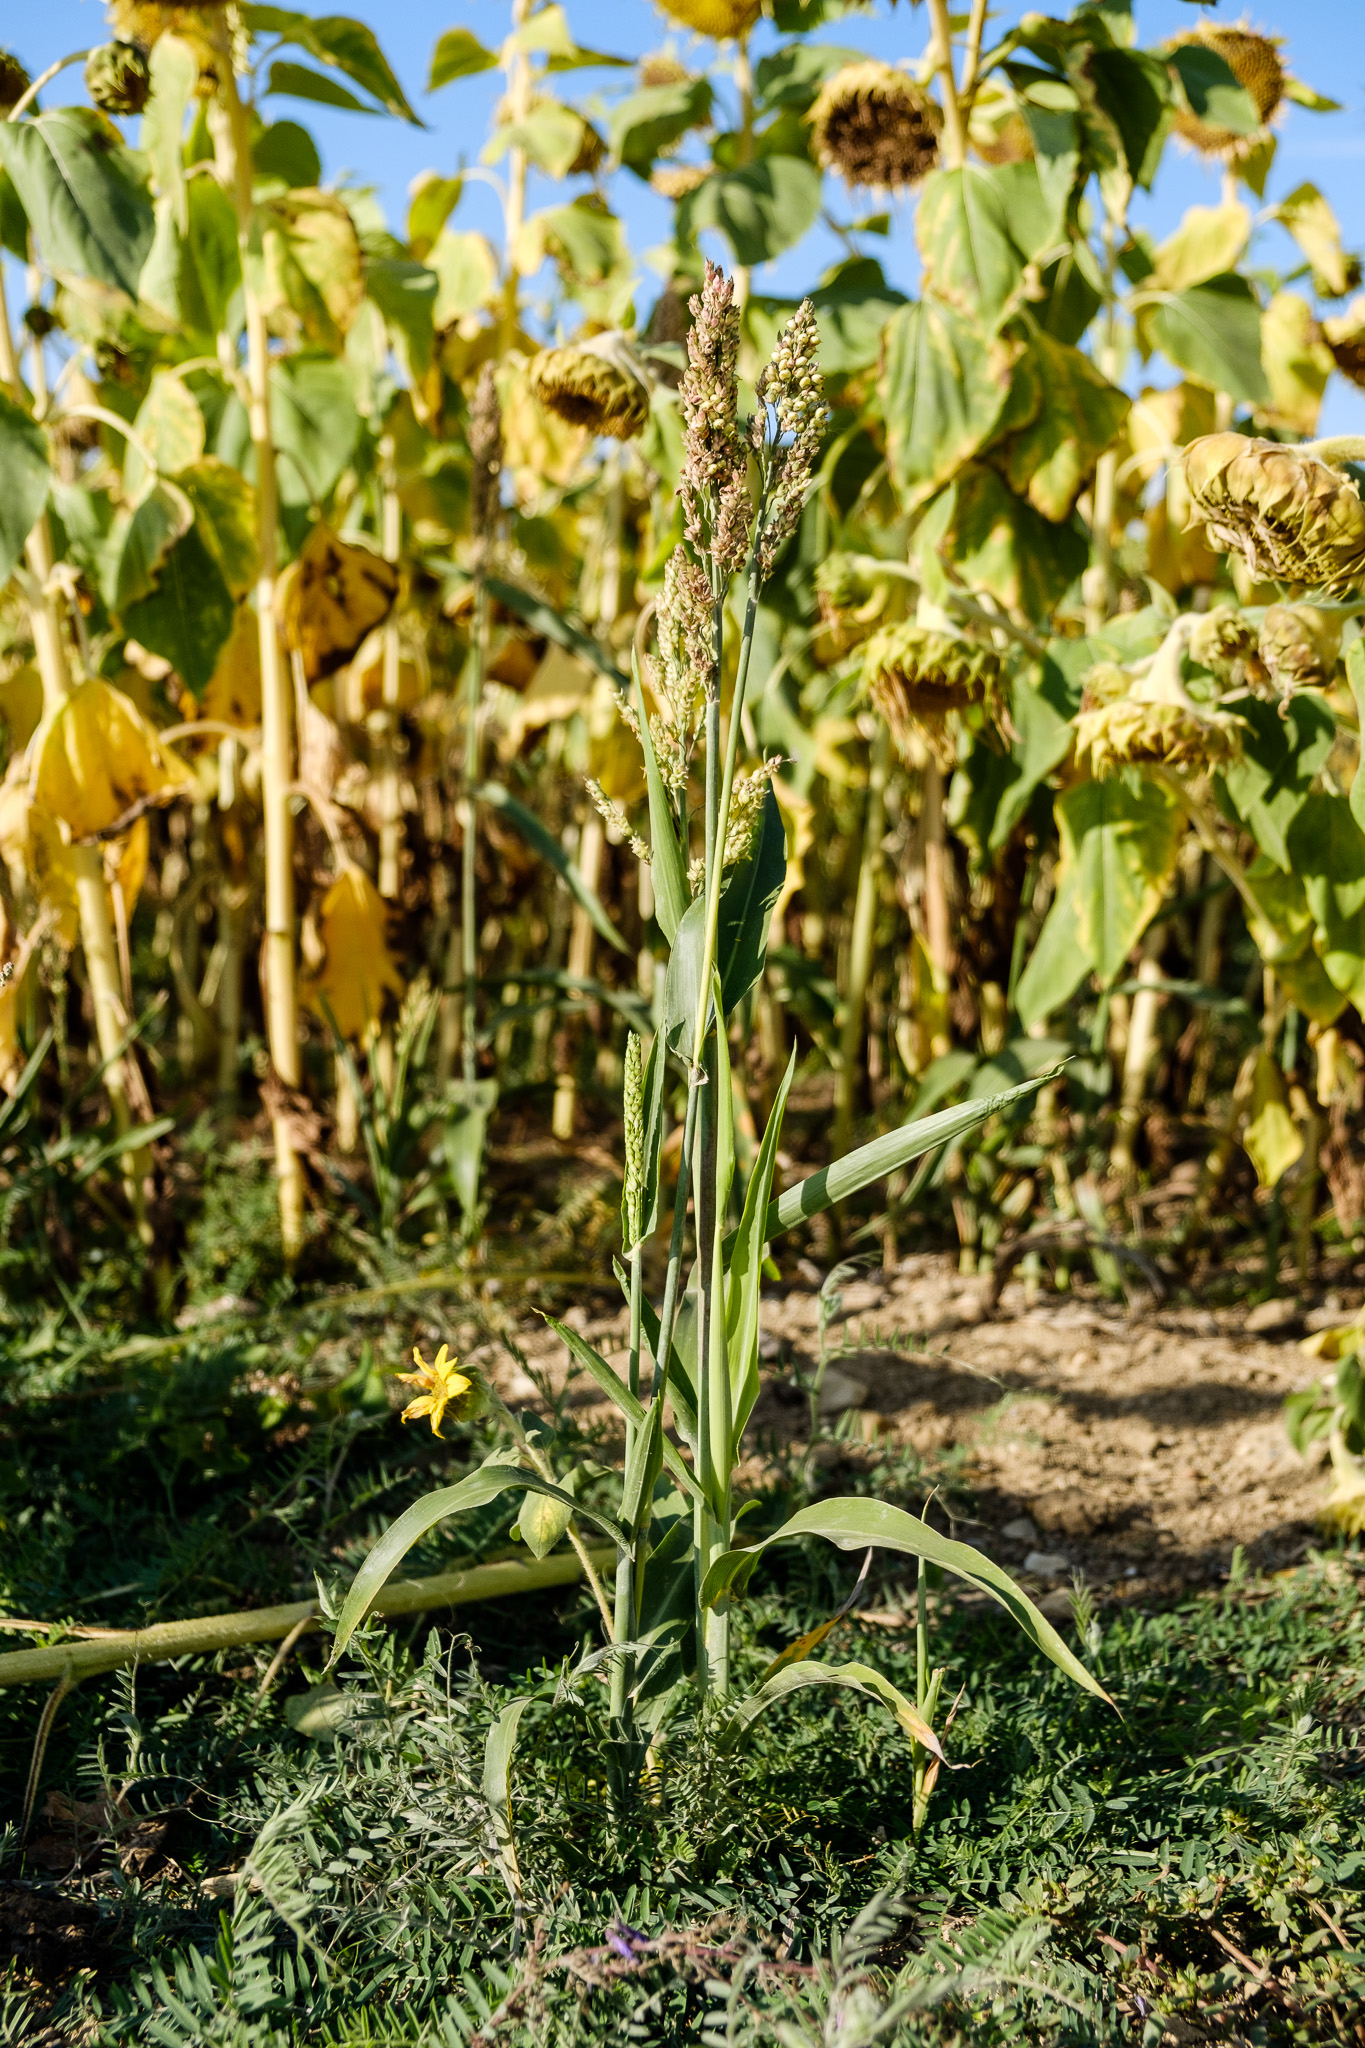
1344 334
1224 641
1127 733
1254 61
596 384
118 77
142 21
14 81
722 20
916 675
875 126
1292 518
1298 647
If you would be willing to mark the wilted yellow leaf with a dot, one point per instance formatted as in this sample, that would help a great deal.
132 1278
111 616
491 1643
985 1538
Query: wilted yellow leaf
561 685
314 273
38 862
98 757
1209 240
1273 1141
1311 221
233 696
358 970
335 594
1297 363
21 704
130 867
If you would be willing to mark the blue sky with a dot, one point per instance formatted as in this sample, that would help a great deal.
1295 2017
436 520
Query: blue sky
1324 45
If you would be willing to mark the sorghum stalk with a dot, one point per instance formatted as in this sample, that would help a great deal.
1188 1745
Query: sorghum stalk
860 946
390 801
485 448
232 145
627 1573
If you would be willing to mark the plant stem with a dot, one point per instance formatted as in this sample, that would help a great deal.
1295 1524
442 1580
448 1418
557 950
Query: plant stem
955 139
519 106
232 141
1336 448
971 61
390 800
627 1571
860 946
469 936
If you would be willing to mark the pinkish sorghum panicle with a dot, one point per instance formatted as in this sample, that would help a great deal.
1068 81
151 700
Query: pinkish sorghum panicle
685 665
791 391
713 485
485 449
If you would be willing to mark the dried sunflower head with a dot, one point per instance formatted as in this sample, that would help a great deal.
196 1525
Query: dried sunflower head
142 21
722 20
118 77
875 126
1223 640
916 675
1292 518
675 181
14 81
596 383
1299 647
1254 61
1344 334
997 130
1151 720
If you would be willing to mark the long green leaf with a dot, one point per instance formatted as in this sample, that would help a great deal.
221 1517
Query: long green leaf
857 1677
853 1524
393 1546
667 861
542 841
849 1176
90 212
615 1388
541 618
745 1266
497 1786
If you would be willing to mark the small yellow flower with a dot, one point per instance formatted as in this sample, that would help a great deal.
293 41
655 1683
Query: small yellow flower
441 1384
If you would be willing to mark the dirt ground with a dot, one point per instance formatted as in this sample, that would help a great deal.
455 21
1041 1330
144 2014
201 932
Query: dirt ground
1138 1448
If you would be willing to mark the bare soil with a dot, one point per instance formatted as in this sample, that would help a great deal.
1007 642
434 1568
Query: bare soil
1140 1448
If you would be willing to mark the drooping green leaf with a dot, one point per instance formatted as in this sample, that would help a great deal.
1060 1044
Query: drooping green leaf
462 1142
139 541
647 122
746 907
405 293
1284 930
542 841
341 42
171 427
1327 852
854 1524
856 1677
1133 90
1281 757
458 54
942 390
285 154
213 251
1056 138
792 75
682 983
975 237
297 82
90 213
175 74
761 208
13 219
850 1175
744 1269
998 543
27 480
1058 963
1121 844
1080 415
667 866
1212 331
1212 90
466 272
315 424
225 516
551 135
188 618
496 1786
1042 707
431 201
485 1485
616 1390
